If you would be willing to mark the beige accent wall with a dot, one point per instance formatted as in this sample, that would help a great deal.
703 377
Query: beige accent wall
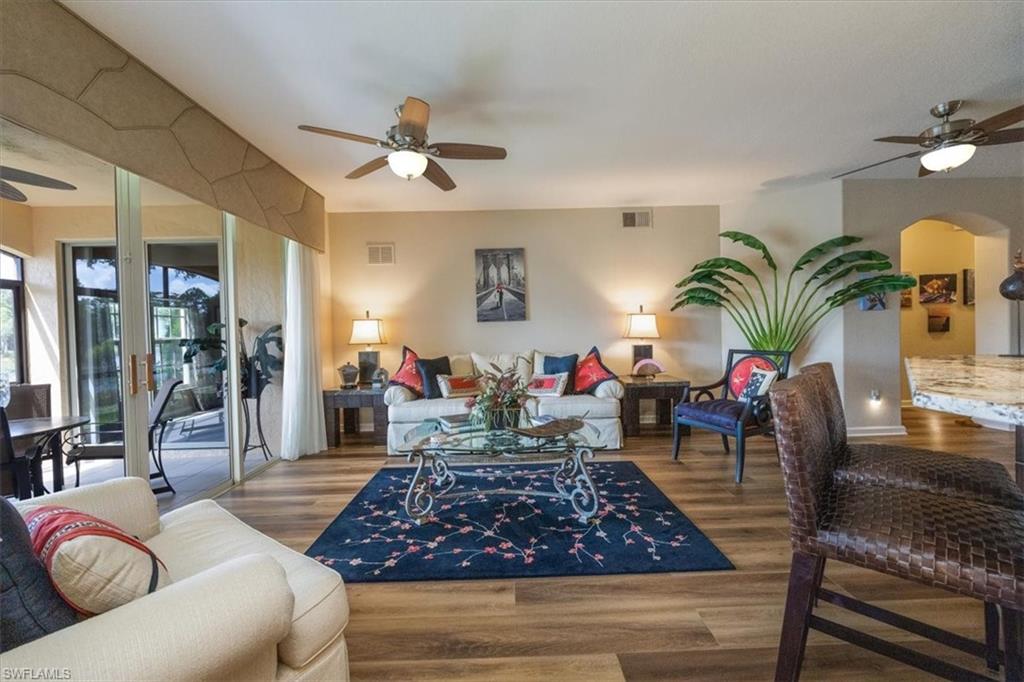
934 247
584 274
62 78
879 210
15 227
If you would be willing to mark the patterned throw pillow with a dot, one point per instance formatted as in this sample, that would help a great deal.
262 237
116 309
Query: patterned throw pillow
94 565
459 387
429 370
548 384
554 364
758 383
407 375
739 375
591 372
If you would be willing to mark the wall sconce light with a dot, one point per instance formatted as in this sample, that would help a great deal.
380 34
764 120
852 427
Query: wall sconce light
875 397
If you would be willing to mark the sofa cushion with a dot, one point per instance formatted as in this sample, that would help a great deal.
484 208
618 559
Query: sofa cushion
407 375
577 406
416 411
723 413
591 372
522 363
558 364
463 386
201 535
429 368
31 607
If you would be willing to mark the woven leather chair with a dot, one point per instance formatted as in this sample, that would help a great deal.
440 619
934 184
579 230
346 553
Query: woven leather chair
948 542
727 414
899 466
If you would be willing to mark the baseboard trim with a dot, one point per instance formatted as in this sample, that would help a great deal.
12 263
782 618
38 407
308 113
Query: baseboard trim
873 431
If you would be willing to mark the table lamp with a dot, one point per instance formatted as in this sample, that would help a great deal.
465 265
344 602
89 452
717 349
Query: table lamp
367 331
642 326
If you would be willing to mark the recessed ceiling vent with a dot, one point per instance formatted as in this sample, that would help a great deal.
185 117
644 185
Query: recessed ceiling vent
637 217
380 253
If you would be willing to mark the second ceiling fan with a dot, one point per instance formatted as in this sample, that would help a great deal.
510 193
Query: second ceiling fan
409 150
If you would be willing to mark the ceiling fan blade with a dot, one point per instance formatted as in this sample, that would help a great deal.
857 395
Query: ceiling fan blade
1007 118
368 168
457 150
436 175
27 178
911 155
1004 137
901 139
922 171
413 121
342 135
11 193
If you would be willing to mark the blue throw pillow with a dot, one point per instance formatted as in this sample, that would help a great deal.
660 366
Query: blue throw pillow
30 605
556 365
429 369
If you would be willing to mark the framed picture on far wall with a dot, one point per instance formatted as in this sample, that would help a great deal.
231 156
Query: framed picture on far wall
937 288
968 286
938 319
500 285
907 295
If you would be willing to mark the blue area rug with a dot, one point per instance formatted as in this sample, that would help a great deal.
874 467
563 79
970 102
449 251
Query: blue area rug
636 530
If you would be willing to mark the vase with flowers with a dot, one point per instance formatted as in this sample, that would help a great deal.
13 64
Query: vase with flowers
500 402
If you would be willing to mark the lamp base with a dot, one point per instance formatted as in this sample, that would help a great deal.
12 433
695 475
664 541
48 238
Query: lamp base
369 361
642 351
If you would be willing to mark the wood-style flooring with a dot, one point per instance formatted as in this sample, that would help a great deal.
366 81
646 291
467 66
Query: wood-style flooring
685 626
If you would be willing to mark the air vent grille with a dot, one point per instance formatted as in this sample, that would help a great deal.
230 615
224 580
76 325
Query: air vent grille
380 253
637 218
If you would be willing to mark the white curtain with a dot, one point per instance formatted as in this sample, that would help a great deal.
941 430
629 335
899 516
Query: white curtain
303 419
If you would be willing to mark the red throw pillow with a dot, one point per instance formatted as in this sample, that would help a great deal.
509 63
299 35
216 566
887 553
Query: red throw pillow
408 375
591 372
739 376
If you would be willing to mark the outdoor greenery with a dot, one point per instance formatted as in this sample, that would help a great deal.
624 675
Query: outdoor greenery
782 319
258 365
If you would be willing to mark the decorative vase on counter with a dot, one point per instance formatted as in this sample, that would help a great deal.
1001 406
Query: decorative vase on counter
349 375
1012 288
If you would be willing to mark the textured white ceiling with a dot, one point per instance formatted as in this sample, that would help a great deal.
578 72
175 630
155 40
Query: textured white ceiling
599 104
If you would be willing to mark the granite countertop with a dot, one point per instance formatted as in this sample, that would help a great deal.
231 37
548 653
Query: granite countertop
984 386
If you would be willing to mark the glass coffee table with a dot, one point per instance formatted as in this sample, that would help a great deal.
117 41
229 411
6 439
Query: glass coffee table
439 456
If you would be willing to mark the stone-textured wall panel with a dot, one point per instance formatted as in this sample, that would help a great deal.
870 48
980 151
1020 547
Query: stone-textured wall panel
273 191
131 97
215 150
56 48
61 78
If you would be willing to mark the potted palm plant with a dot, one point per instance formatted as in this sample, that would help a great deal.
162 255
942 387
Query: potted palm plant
781 315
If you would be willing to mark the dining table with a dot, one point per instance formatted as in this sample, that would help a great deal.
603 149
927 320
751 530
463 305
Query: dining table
48 431
984 387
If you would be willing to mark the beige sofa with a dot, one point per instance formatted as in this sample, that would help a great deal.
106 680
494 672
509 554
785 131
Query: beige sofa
602 410
241 605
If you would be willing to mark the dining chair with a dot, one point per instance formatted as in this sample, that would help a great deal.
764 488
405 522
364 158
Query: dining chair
728 414
80 447
16 469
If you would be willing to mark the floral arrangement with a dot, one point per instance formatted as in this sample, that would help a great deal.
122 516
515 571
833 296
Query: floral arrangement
500 402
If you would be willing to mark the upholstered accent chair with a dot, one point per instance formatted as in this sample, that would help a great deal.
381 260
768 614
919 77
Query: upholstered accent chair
241 606
728 414
945 541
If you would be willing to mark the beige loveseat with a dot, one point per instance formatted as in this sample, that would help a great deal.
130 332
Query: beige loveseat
241 605
602 410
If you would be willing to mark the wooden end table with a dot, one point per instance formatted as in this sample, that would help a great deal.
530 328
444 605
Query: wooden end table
348 401
663 388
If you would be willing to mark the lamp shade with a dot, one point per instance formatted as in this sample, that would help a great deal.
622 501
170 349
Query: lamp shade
367 331
407 164
642 325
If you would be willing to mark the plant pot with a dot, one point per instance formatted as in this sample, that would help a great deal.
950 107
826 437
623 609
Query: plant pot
502 419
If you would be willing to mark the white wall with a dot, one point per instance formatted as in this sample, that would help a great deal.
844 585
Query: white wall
992 312
584 274
789 222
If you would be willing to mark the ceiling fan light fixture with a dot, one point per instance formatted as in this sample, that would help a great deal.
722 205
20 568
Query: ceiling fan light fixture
407 164
947 157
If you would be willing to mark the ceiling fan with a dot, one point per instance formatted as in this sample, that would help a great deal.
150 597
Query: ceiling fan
949 144
12 193
409 151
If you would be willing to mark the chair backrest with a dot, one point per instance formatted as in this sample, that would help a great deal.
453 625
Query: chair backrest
832 401
161 400
740 363
8 482
805 451
29 401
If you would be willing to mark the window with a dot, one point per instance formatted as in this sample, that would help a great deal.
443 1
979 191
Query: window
12 307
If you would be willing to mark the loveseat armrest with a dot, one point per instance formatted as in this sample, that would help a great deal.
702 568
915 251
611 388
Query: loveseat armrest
128 503
206 627
396 395
612 388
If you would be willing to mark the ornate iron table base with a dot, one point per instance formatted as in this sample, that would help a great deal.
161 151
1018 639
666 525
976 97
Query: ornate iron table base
435 478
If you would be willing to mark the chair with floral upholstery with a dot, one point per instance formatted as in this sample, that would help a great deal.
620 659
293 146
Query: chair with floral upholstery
739 411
